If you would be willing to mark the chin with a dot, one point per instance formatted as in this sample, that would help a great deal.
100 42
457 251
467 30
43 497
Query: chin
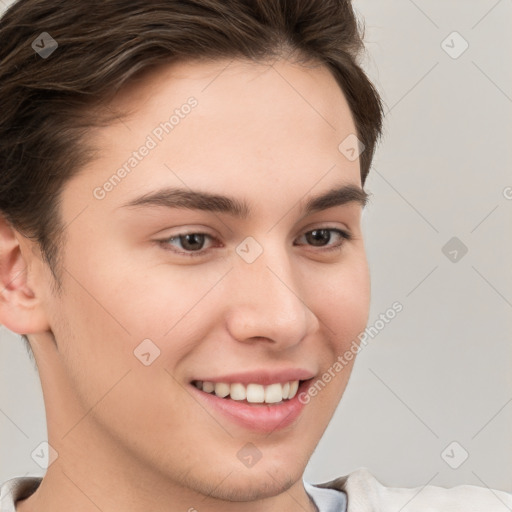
237 483
246 486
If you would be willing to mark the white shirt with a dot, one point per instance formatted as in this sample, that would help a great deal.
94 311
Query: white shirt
366 494
327 500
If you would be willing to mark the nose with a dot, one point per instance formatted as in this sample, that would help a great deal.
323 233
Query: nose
266 302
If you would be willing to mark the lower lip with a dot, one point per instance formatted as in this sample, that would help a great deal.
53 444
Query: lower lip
257 417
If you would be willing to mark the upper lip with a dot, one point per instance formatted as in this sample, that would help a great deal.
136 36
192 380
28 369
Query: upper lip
263 376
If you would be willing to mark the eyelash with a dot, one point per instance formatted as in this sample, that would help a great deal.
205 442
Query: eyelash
345 235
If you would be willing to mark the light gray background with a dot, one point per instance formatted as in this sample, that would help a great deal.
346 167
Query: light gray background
440 371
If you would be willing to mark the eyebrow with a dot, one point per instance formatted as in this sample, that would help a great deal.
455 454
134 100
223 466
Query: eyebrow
171 197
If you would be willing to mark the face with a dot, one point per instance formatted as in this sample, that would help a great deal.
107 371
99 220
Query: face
166 299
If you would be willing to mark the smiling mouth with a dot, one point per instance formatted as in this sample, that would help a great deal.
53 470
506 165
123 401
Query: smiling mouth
251 393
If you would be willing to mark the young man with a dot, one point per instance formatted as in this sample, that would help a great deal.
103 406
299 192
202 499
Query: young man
181 196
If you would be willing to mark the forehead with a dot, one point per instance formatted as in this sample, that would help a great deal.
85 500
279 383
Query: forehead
310 83
237 99
256 128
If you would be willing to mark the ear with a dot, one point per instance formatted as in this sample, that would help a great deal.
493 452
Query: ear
21 272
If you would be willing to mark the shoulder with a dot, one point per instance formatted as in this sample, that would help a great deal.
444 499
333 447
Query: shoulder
17 489
366 494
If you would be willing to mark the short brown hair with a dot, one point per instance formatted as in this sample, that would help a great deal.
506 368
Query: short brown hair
50 104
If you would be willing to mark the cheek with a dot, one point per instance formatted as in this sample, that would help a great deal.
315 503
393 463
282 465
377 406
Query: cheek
153 294
342 302
111 318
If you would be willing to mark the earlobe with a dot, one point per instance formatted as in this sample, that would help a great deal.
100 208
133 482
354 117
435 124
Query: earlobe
21 308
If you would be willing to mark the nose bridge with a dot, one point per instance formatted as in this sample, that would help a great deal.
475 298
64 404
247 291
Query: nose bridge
266 302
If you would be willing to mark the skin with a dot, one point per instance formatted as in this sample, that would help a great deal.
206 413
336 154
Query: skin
267 134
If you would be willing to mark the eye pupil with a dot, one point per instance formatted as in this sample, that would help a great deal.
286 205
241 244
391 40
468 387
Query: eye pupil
185 239
322 235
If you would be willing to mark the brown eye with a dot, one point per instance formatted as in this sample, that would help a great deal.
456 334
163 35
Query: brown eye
189 244
192 241
318 237
321 237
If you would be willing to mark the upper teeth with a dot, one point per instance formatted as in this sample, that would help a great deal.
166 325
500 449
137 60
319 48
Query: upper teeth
255 393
